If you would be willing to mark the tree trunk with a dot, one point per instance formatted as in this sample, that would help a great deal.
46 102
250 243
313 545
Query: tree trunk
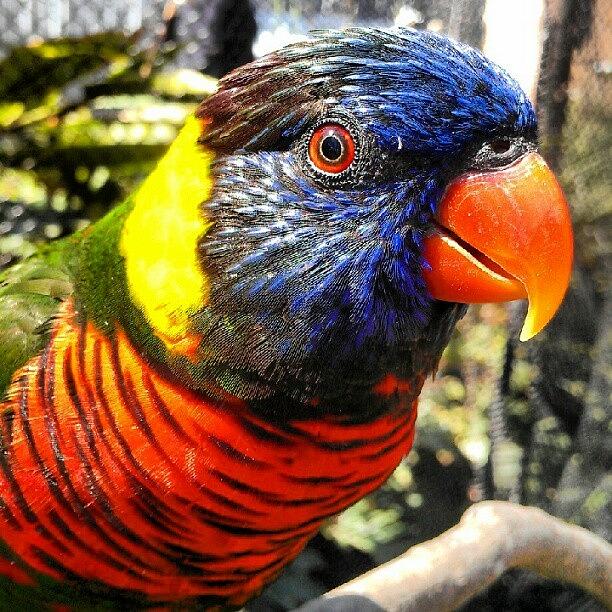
567 25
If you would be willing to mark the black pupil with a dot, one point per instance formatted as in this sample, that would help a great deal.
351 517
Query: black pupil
500 146
331 148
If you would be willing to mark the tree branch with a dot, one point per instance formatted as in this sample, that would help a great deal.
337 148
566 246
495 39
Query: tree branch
491 538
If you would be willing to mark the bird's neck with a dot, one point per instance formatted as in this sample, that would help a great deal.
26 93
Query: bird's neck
159 241
138 266
211 480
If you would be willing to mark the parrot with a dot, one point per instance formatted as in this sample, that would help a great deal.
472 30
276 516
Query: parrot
193 384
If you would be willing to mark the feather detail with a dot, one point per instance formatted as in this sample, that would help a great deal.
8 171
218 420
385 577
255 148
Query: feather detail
116 476
159 241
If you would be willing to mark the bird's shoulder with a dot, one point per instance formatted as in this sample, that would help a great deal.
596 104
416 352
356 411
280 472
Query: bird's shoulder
31 293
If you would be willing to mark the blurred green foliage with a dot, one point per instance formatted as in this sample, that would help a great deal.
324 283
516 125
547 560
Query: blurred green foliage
83 121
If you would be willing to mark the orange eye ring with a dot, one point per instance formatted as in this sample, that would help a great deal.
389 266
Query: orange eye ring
331 148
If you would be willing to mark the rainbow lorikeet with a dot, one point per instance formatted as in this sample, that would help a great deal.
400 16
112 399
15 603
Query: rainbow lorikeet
197 381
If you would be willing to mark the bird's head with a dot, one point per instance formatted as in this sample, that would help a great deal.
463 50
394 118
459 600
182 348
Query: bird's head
366 185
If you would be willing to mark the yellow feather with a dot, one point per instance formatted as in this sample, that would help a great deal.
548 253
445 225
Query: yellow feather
160 237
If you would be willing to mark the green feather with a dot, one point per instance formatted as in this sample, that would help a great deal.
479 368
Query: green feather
30 295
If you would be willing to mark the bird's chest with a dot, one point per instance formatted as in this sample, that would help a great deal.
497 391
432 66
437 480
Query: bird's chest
117 474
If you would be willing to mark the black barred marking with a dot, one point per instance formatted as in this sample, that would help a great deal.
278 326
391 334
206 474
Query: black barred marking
85 422
242 486
215 518
222 525
355 484
294 532
141 494
199 557
190 571
62 526
342 446
378 454
130 401
154 517
99 385
191 555
54 565
46 380
137 487
320 480
98 493
78 508
164 410
250 571
304 501
81 508
341 502
162 509
45 471
139 490
142 490
192 565
276 499
111 518
97 423
359 442
132 404
263 434
108 559
15 490
231 452
291 538
112 405
9 517
8 418
127 599
230 503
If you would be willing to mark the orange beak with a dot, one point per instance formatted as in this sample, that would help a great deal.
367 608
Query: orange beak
503 235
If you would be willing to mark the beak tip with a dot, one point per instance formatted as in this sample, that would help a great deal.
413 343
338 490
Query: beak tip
527 333
531 325
506 235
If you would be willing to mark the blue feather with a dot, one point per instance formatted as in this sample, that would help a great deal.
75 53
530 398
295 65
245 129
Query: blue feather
330 276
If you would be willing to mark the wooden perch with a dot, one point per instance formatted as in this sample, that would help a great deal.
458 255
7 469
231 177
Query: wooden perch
491 537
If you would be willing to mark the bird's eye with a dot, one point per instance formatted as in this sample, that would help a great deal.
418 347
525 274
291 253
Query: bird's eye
499 146
331 149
